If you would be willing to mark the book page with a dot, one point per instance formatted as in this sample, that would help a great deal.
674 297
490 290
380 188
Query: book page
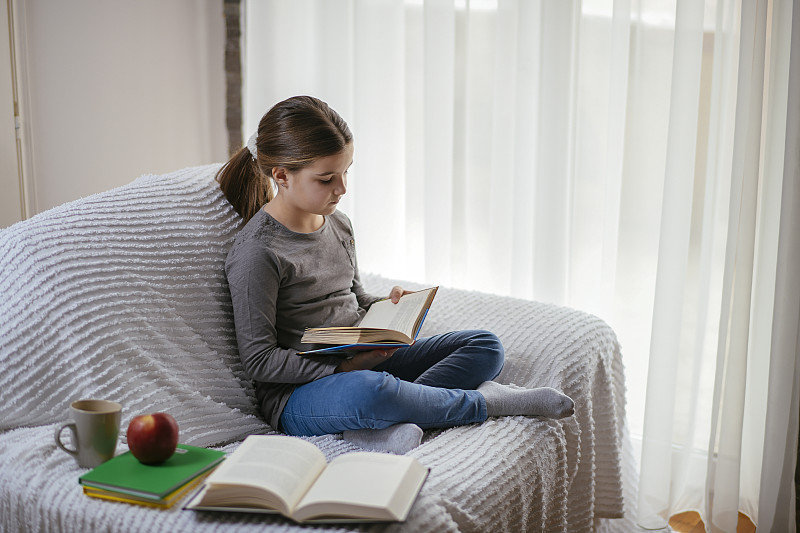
279 465
401 316
365 485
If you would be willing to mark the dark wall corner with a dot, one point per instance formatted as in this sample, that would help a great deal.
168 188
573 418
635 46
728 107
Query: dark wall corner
233 74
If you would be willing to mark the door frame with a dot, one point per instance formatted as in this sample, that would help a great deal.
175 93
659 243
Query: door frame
16 172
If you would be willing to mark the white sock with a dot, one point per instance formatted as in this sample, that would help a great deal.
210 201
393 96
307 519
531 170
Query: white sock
399 438
502 400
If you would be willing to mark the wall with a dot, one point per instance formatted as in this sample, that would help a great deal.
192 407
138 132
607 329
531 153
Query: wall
116 89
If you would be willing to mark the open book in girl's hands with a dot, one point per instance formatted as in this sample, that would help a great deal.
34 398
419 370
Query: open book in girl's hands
386 325
288 475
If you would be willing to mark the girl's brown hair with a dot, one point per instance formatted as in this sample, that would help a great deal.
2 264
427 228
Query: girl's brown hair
293 134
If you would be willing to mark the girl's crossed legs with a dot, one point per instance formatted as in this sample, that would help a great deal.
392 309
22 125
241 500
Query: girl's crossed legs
430 383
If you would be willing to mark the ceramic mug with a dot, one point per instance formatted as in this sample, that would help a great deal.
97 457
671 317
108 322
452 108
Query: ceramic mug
95 428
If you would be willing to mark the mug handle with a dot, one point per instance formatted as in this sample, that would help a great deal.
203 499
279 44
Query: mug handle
72 428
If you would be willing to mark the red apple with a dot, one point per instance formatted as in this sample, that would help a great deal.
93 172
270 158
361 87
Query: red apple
153 438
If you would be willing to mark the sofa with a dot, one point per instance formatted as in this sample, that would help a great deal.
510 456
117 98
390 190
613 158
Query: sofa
122 296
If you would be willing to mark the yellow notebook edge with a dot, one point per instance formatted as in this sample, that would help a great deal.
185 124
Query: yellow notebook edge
164 503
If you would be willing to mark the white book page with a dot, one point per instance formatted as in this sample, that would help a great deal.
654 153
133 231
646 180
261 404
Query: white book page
366 484
399 317
286 466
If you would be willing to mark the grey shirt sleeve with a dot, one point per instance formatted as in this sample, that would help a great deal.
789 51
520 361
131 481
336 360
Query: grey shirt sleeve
254 278
365 299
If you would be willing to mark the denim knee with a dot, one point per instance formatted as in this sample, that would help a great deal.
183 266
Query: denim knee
375 387
375 397
492 350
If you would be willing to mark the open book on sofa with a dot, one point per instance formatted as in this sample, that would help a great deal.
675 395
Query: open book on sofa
290 476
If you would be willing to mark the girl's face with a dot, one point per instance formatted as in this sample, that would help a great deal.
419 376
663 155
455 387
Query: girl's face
317 188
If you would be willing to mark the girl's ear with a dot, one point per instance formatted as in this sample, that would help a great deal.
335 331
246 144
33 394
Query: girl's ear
279 175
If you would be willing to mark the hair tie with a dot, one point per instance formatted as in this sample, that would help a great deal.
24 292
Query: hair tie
251 146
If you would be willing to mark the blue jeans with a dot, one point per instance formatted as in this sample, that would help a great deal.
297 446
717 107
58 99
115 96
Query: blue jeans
430 383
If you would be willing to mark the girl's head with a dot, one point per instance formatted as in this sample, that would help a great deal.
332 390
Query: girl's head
293 135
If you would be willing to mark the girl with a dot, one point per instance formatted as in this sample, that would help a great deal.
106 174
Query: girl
293 265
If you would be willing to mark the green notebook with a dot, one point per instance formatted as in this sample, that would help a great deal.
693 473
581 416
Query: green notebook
125 474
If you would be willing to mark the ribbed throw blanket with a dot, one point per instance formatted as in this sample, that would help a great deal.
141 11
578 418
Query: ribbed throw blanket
122 296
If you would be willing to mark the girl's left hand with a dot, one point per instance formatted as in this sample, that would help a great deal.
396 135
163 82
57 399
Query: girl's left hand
396 292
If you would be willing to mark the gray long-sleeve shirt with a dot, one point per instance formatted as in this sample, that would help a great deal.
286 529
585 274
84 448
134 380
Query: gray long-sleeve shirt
282 282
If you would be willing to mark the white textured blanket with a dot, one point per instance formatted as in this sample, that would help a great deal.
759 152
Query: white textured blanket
122 295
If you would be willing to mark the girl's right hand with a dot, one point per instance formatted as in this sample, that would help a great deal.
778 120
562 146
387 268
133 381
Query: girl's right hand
365 360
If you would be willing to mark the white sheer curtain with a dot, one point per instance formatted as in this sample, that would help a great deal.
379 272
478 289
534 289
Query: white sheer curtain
624 157
709 374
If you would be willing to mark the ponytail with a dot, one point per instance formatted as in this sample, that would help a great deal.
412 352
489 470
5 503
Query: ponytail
244 185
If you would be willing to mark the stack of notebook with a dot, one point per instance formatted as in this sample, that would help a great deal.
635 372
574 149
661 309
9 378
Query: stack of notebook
125 479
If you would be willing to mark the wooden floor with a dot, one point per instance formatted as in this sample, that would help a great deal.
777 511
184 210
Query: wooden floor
690 522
